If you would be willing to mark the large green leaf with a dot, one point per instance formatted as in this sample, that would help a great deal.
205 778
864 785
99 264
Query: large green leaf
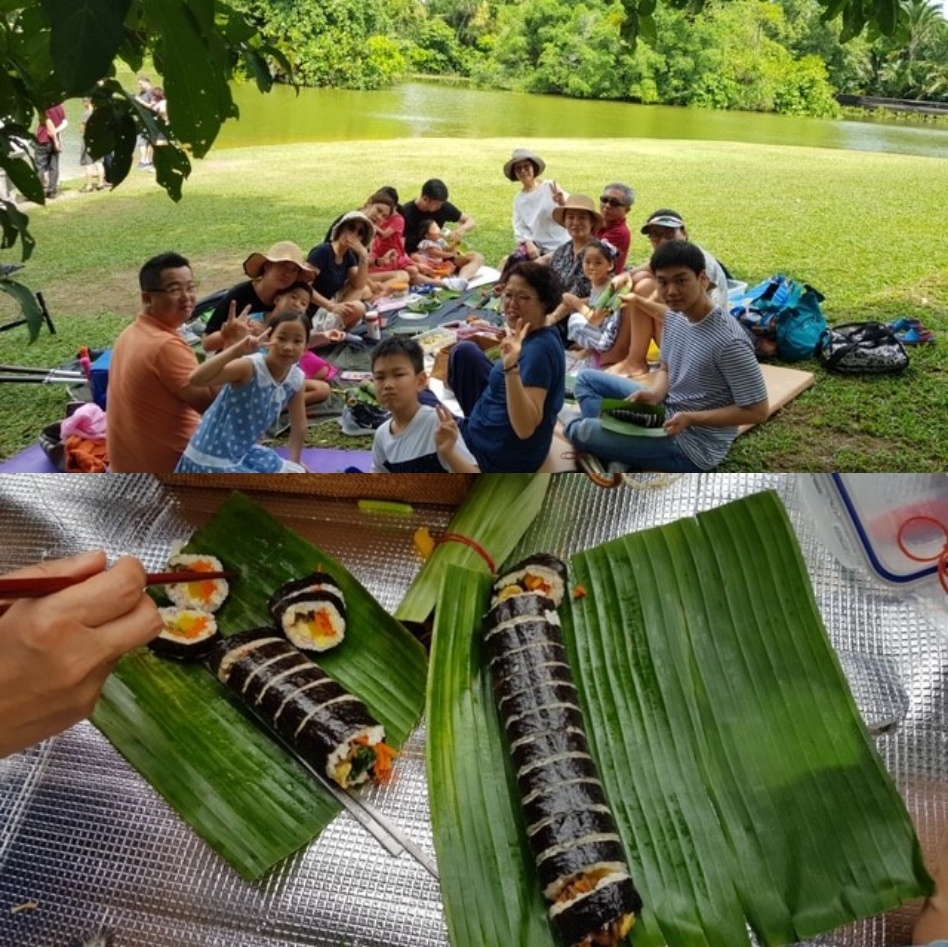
215 765
84 37
496 513
482 852
745 785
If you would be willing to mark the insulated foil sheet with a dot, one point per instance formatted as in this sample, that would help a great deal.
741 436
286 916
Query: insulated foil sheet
87 846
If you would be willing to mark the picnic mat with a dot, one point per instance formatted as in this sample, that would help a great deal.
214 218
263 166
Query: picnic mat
783 385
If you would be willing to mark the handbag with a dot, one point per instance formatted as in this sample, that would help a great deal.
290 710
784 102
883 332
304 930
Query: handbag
862 348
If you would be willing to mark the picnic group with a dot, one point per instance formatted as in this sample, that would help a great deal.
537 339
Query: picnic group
667 375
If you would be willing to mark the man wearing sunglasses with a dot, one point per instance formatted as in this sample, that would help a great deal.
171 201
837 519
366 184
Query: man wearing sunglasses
614 205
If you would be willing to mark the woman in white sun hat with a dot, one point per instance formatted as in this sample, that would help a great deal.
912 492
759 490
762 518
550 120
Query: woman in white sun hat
535 230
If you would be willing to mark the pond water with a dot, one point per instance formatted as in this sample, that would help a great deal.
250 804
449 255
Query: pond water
437 110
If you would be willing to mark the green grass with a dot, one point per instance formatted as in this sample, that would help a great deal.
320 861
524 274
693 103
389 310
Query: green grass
868 230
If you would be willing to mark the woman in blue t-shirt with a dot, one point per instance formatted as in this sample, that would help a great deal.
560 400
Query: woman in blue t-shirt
511 406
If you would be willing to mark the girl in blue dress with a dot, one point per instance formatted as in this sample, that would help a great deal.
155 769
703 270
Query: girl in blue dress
261 378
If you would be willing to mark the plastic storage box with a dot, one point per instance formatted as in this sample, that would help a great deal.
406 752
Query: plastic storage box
897 523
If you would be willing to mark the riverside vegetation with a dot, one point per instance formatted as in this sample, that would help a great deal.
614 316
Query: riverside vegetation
861 227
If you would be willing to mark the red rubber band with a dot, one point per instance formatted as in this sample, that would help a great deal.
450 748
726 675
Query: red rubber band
900 537
474 544
941 557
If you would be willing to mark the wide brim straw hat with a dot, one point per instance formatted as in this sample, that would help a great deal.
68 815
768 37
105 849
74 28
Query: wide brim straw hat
285 251
362 219
578 202
523 154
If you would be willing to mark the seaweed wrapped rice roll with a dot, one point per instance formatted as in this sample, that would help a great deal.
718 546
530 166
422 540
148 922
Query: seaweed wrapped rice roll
580 859
310 611
187 634
207 595
329 728
541 573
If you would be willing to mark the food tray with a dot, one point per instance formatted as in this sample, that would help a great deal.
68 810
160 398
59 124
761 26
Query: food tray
85 844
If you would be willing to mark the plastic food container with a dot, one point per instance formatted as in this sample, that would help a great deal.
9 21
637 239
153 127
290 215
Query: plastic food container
897 523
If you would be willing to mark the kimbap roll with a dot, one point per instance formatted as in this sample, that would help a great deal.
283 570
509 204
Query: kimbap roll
541 573
580 860
329 728
310 611
207 595
187 634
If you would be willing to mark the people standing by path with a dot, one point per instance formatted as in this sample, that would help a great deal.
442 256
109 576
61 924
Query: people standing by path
95 172
49 146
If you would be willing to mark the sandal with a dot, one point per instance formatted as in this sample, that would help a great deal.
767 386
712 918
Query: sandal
593 468
87 189
912 332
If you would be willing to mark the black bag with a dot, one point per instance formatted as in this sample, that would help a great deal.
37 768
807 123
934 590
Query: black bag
862 348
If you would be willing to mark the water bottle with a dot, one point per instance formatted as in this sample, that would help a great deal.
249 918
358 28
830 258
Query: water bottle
373 329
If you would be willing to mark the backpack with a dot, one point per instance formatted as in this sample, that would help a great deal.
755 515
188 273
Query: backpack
862 348
785 311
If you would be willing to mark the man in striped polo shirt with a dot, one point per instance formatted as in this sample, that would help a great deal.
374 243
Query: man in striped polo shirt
709 381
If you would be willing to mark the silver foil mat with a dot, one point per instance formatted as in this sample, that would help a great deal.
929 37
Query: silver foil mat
86 845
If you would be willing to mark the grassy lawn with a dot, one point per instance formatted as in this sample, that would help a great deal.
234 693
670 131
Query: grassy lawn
869 230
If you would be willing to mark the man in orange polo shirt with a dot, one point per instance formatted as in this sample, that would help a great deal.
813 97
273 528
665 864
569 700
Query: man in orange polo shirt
153 409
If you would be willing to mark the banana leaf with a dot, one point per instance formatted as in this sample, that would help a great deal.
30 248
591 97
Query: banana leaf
185 733
496 513
746 787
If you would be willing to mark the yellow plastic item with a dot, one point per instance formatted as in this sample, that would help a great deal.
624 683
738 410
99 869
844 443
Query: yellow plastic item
654 352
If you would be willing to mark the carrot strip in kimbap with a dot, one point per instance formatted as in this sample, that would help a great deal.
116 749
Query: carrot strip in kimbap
329 728
187 634
580 859
311 612
207 595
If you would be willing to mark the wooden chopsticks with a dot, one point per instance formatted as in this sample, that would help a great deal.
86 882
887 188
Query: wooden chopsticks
36 586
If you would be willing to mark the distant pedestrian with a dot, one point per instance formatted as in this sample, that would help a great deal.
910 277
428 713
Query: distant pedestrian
49 146
146 96
95 172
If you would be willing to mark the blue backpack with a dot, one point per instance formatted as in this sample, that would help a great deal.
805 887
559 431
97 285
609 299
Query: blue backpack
788 312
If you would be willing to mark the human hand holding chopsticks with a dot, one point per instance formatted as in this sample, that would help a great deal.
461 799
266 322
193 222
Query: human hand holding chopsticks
57 651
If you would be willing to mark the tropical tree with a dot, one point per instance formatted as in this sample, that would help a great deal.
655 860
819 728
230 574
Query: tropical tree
53 50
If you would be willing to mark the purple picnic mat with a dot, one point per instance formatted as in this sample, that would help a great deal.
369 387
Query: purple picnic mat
31 460
316 459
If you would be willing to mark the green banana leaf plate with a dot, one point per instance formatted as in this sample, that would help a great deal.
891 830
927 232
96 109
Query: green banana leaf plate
748 792
181 729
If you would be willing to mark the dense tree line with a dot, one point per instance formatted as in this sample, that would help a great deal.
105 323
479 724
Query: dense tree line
769 55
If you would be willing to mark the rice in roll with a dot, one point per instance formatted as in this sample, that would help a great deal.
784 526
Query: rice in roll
330 729
310 611
208 594
541 573
187 634
580 859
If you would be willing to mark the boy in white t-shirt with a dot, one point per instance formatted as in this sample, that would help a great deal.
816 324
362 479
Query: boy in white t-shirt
406 443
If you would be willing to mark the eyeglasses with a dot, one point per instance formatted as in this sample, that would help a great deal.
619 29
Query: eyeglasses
518 297
611 201
178 292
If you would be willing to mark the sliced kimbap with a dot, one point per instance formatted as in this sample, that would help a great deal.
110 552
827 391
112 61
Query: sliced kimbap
541 573
330 729
310 611
208 594
187 634
579 856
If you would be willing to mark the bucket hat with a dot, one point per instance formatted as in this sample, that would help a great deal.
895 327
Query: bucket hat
578 202
523 154
355 215
285 251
